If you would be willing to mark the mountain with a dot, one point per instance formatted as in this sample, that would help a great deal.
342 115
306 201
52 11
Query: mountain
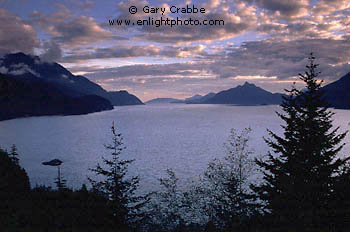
199 99
193 98
164 101
247 94
337 93
207 97
21 98
119 98
21 66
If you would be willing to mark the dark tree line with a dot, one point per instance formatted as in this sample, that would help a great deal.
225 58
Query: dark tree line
305 186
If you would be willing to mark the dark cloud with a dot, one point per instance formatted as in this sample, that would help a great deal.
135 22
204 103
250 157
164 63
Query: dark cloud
70 31
286 9
79 31
15 34
271 28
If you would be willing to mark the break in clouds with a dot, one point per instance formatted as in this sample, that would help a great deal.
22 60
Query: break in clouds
264 40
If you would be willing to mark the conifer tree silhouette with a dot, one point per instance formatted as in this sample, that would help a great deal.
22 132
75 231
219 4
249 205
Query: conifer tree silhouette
300 173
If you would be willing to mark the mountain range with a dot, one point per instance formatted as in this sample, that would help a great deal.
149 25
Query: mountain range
164 101
200 99
337 94
32 87
196 99
247 94
64 93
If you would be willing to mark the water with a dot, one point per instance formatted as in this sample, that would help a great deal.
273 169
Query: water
178 136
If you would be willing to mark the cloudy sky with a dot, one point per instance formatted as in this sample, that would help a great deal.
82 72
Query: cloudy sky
262 41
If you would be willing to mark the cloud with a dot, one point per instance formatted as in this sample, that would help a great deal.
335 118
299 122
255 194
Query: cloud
284 33
70 31
18 69
86 5
312 25
284 59
116 52
276 63
286 9
124 51
79 31
15 34
286 20
175 70
3 70
268 58
236 22
52 52
326 7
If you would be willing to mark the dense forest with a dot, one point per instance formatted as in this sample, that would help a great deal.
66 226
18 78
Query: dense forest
305 185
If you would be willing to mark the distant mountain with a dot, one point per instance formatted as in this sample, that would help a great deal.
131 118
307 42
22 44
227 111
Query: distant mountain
164 101
247 94
21 98
207 97
199 98
21 66
193 98
120 98
337 93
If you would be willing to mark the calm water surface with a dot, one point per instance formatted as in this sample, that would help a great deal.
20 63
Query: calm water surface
178 136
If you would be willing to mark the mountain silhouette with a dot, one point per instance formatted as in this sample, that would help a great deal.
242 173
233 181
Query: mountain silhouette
337 93
122 98
164 101
22 98
21 66
197 99
247 94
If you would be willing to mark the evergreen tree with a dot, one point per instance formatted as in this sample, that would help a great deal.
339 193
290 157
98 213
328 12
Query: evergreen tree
299 177
14 155
14 191
60 181
116 186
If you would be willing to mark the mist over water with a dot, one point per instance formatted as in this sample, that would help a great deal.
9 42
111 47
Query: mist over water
178 136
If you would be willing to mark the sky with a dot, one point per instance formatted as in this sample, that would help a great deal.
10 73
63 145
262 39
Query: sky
265 42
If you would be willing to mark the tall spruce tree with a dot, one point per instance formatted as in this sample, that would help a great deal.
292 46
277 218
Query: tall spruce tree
300 173
116 186
14 155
